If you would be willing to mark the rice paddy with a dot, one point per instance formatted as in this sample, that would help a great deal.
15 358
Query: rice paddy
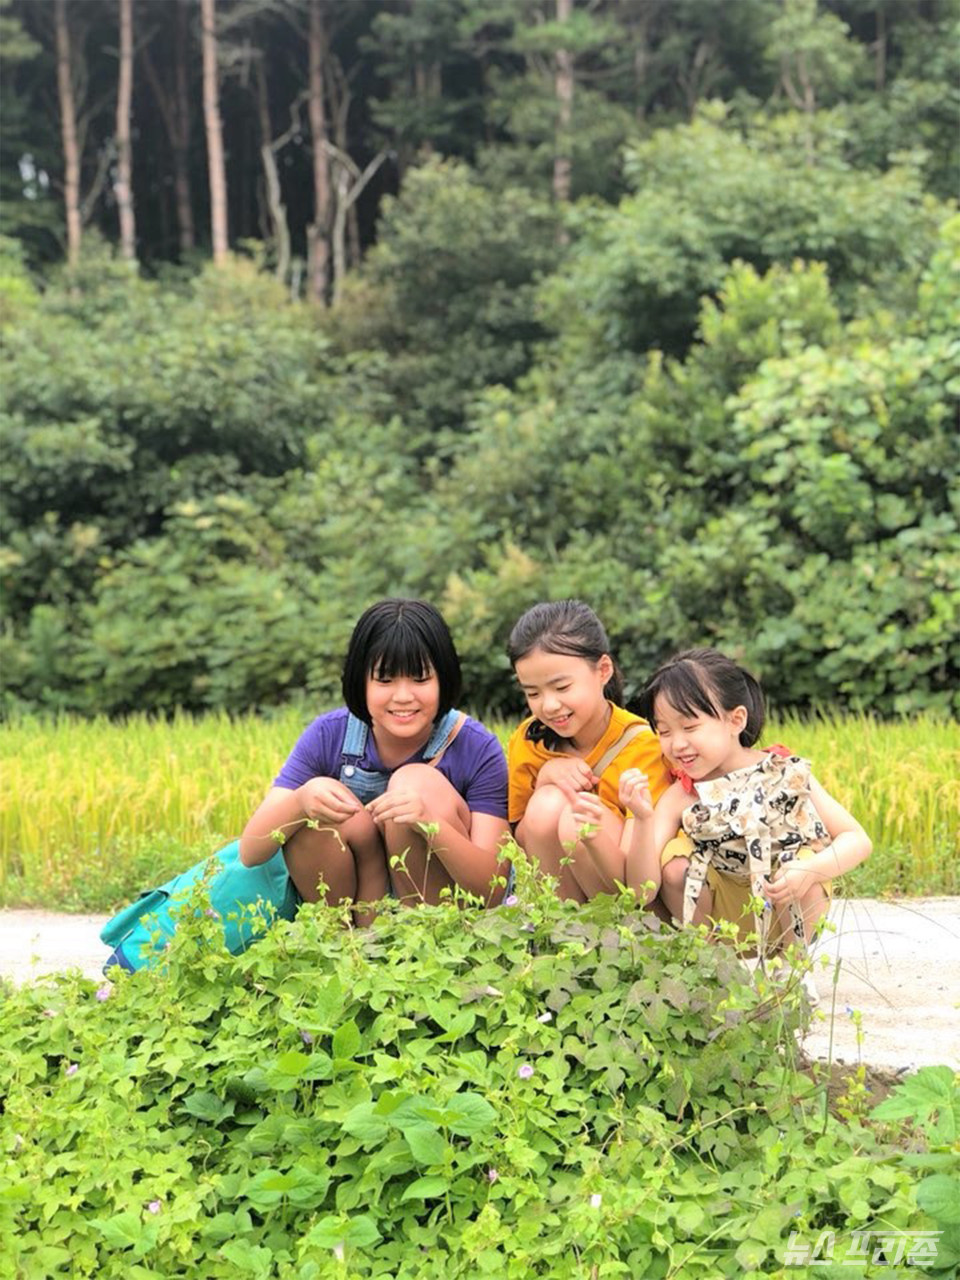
94 811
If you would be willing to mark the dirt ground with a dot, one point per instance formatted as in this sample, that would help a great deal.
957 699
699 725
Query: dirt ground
898 963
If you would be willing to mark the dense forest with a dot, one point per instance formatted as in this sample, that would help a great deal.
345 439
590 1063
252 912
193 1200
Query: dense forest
304 302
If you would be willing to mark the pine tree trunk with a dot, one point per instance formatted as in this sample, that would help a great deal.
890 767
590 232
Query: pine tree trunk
123 187
562 165
68 122
214 128
181 143
276 209
318 232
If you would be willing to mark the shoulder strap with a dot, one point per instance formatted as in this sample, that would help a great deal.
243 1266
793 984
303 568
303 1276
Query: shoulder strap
445 732
611 753
355 738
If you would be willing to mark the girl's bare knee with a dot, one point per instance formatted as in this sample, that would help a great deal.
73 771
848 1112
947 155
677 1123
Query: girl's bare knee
439 794
674 873
544 812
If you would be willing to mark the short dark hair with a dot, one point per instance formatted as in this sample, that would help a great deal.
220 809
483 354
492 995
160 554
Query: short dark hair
707 682
400 637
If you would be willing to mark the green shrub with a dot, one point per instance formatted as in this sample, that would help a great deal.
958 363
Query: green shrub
538 1090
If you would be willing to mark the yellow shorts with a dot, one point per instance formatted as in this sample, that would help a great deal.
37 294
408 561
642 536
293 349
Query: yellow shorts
730 895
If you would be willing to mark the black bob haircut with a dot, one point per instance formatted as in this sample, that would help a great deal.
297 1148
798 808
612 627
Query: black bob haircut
706 682
398 637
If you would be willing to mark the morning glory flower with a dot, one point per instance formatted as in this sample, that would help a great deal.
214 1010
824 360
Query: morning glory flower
511 900
492 1175
596 1200
103 993
525 1071
71 1069
154 1206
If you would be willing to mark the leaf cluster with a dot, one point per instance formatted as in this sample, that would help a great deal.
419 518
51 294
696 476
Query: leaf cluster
535 1090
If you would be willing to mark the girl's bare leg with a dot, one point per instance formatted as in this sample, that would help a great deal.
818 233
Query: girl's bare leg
422 876
591 879
670 900
813 907
704 907
538 834
350 859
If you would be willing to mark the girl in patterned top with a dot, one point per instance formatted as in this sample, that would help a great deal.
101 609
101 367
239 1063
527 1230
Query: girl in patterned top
767 838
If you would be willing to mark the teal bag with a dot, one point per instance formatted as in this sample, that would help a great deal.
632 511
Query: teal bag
233 889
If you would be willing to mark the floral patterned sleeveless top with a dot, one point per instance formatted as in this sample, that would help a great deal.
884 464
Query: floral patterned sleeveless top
746 823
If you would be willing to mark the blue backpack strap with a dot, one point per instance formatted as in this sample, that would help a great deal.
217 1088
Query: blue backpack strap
354 740
441 733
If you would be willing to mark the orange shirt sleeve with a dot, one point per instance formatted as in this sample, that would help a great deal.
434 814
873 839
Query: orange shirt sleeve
642 753
523 765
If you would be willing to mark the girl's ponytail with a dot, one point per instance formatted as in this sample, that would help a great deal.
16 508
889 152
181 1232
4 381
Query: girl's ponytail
613 689
756 710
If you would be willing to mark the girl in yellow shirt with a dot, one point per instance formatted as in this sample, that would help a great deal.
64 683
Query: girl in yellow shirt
564 762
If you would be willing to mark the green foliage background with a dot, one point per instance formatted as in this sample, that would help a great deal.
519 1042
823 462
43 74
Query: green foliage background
715 393
204 485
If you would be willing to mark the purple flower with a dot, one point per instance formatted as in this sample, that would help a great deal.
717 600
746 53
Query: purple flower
306 1037
103 993
511 900
71 1069
214 915
154 1206
492 1175
525 1071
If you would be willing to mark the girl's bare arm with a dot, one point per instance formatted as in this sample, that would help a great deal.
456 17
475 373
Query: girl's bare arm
850 845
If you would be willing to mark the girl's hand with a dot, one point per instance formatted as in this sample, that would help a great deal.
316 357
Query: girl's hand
791 882
400 804
572 776
635 793
588 810
327 800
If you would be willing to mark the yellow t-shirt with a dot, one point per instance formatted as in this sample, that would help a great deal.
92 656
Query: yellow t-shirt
525 759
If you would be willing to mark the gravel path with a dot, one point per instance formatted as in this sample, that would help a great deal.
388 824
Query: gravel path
899 964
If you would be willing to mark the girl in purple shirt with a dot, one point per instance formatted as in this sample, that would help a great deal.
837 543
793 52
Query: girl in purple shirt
369 777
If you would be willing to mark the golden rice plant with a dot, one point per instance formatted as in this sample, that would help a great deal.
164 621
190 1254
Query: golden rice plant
94 810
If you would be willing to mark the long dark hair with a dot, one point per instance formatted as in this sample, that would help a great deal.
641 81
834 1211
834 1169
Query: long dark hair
569 627
398 637
706 682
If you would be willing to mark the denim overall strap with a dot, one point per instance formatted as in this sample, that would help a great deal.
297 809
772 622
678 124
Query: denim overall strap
355 738
438 739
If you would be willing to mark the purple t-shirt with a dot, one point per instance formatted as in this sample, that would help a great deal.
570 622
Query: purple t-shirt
474 763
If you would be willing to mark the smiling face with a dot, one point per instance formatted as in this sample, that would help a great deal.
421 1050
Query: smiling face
704 746
402 709
566 694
